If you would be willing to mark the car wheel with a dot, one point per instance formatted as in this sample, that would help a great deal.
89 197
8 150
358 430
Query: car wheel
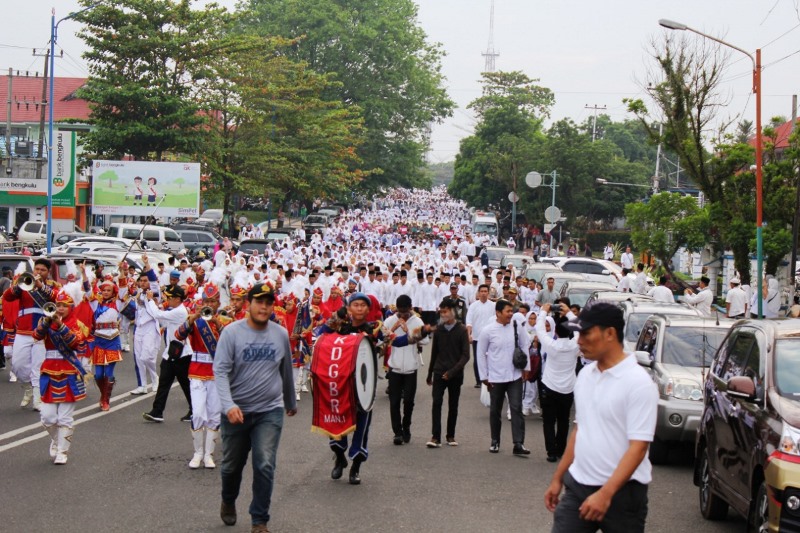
758 521
659 451
712 506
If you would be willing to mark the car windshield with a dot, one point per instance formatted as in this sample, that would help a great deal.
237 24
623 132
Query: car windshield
315 220
516 261
580 296
633 325
787 367
485 227
496 254
690 346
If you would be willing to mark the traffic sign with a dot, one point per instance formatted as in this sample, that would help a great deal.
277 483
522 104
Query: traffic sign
513 197
552 214
533 179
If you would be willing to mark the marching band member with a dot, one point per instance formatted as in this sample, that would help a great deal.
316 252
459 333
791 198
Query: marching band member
203 333
61 382
28 352
10 311
146 336
309 317
352 320
106 345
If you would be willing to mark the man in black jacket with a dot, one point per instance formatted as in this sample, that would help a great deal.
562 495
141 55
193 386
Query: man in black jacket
449 355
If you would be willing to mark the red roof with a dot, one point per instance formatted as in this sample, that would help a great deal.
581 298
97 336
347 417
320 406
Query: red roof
782 133
28 89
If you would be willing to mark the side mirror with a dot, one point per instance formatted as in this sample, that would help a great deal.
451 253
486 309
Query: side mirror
644 359
742 387
606 272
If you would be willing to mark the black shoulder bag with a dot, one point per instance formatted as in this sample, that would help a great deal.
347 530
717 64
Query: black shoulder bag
520 359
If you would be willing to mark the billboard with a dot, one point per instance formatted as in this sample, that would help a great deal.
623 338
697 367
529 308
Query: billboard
33 192
137 187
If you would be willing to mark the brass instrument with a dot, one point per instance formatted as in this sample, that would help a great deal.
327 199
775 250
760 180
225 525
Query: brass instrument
223 313
26 281
49 309
207 313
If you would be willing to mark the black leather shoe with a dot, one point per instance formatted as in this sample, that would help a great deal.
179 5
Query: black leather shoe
519 449
398 440
477 386
495 447
187 417
228 513
406 437
354 477
339 465
552 458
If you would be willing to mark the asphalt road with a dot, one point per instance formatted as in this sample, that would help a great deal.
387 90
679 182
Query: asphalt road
127 475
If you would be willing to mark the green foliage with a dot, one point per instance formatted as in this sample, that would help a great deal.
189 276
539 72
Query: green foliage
143 58
598 239
384 64
441 173
667 223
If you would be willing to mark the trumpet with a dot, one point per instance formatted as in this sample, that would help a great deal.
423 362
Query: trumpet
223 313
49 309
26 281
206 313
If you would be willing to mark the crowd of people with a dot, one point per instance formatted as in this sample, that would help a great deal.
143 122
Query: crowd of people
238 333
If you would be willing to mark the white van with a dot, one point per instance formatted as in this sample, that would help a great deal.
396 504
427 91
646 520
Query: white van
484 222
155 236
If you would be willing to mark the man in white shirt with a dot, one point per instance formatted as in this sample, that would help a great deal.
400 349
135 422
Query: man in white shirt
639 283
661 293
626 259
605 470
624 284
736 300
608 252
701 300
479 315
495 354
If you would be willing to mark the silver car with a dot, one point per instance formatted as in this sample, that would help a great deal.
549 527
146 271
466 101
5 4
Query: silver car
676 351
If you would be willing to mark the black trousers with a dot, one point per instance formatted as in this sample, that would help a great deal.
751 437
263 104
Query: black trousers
402 388
555 419
170 370
453 388
475 362
626 514
498 395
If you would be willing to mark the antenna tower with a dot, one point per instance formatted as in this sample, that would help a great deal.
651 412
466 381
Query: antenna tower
490 55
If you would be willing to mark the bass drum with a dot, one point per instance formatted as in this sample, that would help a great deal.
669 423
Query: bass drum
365 375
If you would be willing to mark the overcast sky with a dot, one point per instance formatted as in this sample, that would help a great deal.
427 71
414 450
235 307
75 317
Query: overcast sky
588 52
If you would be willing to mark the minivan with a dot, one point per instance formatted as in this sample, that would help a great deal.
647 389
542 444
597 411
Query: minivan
747 452
155 236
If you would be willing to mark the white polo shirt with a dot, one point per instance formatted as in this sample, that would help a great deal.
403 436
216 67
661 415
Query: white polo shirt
612 408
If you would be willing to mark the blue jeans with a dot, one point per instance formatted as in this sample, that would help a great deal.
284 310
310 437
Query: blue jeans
260 432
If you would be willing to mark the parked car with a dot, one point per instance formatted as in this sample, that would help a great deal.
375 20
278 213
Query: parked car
60 239
520 261
538 270
579 291
279 234
593 270
616 296
676 350
193 238
155 236
636 314
248 246
31 232
315 223
496 254
560 278
209 217
58 269
748 442
12 261
331 212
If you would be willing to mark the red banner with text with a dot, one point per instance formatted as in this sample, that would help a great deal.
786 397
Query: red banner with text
332 369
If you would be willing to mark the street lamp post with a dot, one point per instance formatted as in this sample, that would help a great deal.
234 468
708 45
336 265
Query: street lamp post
672 25
51 104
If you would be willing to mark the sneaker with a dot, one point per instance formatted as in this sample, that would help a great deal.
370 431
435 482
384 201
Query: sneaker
139 391
552 458
303 387
535 410
433 443
12 377
451 441
150 417
398 440
259 528
508 415
227 512
495 447
186 418
526 411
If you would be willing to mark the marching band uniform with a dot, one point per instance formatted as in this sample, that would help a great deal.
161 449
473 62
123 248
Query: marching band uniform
341 323
146 336
309 317
203 335
61 383
10 310
106 346
28 353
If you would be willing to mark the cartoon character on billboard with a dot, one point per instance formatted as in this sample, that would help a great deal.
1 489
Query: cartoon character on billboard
152 193
137 190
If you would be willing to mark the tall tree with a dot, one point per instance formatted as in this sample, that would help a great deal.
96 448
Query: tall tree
143 58
386 67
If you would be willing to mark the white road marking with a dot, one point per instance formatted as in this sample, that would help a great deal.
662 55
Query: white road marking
43 434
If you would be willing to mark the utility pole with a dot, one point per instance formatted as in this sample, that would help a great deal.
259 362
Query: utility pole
43 117
8 117
795 222
594 119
